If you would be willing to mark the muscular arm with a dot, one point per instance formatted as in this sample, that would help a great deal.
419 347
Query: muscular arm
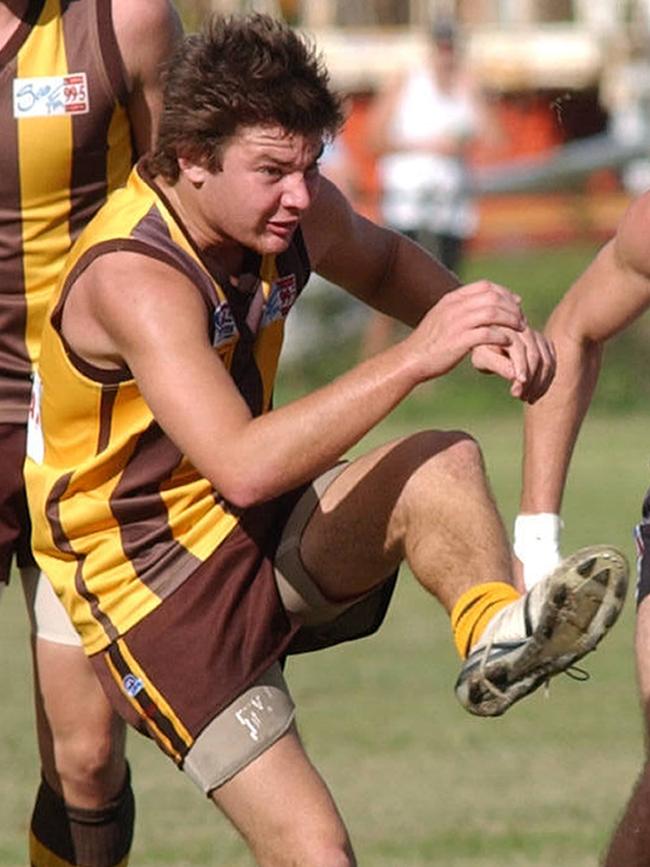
612 292
382 268
390 273
146 33
164 342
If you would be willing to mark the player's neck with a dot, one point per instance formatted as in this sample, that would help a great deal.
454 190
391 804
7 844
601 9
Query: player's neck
11 14
219 252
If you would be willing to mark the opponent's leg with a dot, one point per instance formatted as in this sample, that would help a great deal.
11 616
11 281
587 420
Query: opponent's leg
630 843
284 811
426 499
84 811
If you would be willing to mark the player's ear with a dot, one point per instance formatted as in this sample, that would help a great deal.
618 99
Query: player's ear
194 172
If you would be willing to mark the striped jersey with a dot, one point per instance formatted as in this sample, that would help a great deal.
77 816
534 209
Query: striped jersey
65 143
121 518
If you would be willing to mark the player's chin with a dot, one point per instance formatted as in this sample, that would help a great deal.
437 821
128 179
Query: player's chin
280 234
274 244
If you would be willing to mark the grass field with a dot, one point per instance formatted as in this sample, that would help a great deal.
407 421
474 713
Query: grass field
419 781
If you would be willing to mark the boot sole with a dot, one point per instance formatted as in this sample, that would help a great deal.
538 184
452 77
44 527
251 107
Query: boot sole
586 596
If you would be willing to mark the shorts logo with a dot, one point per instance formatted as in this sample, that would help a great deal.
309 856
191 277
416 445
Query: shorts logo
254 713
282 297
51 96
132 685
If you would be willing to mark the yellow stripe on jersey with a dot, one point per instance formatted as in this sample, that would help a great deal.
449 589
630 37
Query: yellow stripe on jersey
43 184
78 437
199 527
269 344
120 155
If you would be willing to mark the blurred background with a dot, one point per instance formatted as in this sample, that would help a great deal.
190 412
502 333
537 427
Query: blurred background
564 90
553 73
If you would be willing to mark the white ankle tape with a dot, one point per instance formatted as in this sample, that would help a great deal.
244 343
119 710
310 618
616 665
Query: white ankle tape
537 544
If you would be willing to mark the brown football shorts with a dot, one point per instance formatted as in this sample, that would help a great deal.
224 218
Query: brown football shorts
202 674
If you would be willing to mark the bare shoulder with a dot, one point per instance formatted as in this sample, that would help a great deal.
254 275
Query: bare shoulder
126 280
345 247
329 219
146 32
162 305
336 235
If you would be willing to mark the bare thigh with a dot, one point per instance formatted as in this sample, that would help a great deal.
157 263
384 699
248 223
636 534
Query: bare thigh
356 538
284 810
81 740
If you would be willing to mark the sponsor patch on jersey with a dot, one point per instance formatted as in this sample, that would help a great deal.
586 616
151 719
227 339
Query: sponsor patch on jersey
225 329
51 96
282 296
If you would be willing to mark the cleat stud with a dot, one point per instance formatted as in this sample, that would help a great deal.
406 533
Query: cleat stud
559 597
585 568
601 577
475 693
610 617
620 589
499 676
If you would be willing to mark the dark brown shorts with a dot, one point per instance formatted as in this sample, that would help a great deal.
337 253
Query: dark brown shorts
15 526
202 673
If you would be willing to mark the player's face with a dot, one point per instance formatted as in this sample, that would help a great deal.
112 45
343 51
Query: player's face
268 179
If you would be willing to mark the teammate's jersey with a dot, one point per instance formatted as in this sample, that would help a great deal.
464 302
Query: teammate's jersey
65 143
121 518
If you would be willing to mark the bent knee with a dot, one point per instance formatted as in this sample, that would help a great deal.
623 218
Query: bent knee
92 761
453 453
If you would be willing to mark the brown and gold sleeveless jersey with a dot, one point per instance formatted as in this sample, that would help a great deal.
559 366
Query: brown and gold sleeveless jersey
120 517
65 143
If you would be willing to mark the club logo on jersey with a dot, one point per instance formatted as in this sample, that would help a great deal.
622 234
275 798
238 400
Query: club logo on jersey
284 292
51 96
225 329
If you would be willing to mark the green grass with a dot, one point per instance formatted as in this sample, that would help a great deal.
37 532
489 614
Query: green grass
418 780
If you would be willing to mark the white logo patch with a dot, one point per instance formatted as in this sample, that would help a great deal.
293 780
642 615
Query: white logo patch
35 440
51 96
255 713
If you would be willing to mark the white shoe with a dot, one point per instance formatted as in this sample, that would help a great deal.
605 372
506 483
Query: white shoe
557 622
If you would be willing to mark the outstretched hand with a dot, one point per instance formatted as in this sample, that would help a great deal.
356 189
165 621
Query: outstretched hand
527 361
485 320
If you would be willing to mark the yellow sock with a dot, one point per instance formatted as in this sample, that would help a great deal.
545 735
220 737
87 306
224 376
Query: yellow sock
474 610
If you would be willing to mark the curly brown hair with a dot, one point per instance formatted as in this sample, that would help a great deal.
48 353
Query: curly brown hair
240 71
